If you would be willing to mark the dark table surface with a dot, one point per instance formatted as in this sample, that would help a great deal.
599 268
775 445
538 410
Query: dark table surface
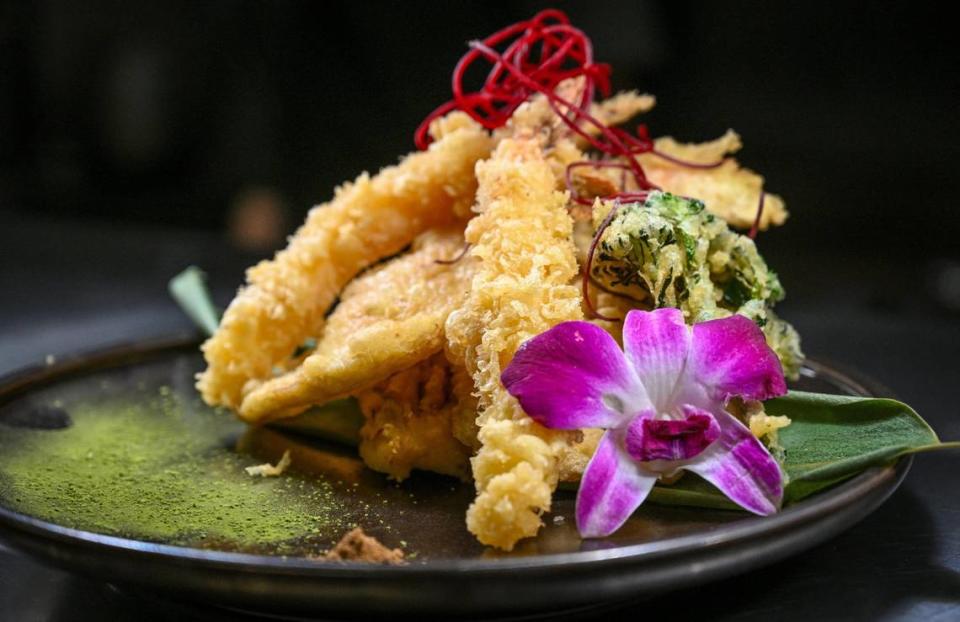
71 287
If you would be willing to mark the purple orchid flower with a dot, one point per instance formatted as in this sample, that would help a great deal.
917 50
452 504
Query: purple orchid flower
661 401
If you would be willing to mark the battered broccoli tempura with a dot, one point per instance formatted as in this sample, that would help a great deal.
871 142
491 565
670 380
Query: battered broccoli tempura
523 239
670 252
374 217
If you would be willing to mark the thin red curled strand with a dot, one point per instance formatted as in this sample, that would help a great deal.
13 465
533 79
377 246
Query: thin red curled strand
585 284
756 221
455 258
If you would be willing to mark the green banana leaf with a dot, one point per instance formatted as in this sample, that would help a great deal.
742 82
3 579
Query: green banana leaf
189 290
830 439
338 421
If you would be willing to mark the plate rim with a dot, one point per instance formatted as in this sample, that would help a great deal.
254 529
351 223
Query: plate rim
881 480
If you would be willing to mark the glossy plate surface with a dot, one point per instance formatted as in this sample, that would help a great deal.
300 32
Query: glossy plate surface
111 466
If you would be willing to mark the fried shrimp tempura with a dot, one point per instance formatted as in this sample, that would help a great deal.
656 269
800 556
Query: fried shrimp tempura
523 239
411 419
729 191
388 320
285 299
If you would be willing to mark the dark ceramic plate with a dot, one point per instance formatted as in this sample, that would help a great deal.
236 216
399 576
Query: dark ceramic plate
110 466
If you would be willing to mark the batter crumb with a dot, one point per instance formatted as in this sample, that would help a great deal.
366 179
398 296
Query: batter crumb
359 547
269 470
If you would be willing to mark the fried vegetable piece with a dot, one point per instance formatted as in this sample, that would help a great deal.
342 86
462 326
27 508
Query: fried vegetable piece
388 320
523 239
285 299
729 191
410 419
668 251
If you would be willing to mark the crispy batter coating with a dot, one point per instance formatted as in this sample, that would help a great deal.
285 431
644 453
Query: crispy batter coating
562 147
538 116
670 252
285 299
622 107
356 546
572 460
388 320
729 191
523 239
410 419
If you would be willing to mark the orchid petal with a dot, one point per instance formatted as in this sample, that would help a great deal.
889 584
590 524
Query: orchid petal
656 343
651 439
730 357
741 468
612 487
574 376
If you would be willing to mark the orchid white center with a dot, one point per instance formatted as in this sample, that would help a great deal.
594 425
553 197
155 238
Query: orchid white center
661 401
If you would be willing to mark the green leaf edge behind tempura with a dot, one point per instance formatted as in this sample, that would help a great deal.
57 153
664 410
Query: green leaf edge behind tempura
830 439
338 421
189 290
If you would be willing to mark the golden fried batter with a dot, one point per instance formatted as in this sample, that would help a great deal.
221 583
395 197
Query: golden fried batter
410 418
622 107
572 460
562 147
523 239
538 116
374 217
729 191
388 319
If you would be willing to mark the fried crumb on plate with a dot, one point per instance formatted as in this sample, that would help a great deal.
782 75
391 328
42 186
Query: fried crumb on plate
270 470
730 191
356 546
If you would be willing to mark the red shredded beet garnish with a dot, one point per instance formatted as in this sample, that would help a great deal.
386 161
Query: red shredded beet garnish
535 56
544 50
756 221
455 258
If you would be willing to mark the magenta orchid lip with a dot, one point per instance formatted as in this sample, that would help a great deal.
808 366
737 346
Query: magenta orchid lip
662 403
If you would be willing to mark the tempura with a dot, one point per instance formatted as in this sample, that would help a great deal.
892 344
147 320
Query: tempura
523 240
285 299
729 191
388 319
